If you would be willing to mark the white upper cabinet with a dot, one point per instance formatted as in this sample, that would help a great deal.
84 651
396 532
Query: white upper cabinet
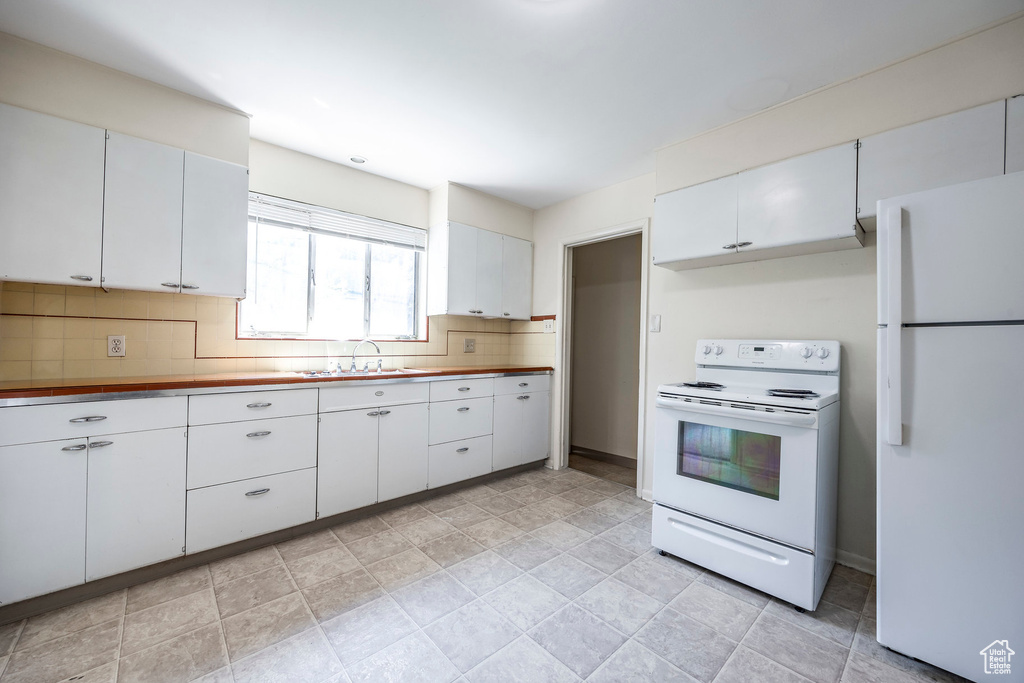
1015 134
806 199
488 274
51 199
516 278
214 227
957 148
462 269
142 215
695 222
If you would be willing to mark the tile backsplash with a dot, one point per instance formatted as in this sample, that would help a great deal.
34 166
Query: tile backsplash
56 332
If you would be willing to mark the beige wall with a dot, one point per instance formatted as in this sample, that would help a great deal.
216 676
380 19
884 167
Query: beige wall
51 82
828 296
606 345
453 202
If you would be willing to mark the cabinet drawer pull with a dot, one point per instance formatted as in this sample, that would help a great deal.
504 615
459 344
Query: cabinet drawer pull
374 413
259 405
83 278
524 384
253 435
462 450
463 388
79 447
257 492
190 286
524 397
90 418
169 284
743 244
385 412
730 246
463 409
509 314
100 444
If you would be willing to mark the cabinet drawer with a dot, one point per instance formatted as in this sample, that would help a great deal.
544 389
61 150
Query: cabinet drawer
459 460
521 384
218 515
454 420
242 450
250 405
456 389
372 395
29 424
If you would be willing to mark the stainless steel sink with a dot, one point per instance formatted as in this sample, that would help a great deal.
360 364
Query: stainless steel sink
370 374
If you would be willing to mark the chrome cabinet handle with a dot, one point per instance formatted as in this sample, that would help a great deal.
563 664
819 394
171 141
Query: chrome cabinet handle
79 447
258 405
190 286
730 246
100 444
743 244
524 384
375 413
90 418
257 492
253 435
83 278
524 397
506 314
169 284
462 450
463 388
385 412
463 409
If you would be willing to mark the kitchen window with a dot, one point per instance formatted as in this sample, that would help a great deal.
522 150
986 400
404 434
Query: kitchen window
318 273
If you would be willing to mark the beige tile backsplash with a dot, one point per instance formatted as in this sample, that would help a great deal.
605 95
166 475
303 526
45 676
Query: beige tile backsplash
54 332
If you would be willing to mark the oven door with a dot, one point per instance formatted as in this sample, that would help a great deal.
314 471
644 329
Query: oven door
755 473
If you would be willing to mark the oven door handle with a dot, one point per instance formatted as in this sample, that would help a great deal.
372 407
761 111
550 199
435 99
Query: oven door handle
779 417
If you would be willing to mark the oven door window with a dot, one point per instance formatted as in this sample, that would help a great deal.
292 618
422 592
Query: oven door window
744 461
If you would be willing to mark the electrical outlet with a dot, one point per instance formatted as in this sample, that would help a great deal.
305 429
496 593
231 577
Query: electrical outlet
469 345
549 326
115 345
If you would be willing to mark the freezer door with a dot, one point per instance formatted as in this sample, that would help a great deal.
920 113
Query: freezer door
950 505
961 248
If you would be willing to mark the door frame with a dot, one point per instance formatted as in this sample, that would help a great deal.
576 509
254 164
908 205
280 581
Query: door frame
563 339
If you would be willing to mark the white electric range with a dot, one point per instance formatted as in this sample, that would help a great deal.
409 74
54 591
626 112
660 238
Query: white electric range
746 464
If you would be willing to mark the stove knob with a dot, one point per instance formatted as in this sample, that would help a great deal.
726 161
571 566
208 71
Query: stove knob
718 350
806 352
823 353
707 349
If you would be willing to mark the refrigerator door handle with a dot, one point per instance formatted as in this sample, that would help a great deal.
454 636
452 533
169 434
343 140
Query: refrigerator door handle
894 327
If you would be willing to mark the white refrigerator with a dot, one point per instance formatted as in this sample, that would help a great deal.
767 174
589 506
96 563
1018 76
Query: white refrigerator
951 427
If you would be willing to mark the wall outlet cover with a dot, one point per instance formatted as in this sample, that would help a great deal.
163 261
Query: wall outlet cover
656 322
115 345
469 345
549 326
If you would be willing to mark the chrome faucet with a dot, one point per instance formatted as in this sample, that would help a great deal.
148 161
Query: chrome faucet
366 365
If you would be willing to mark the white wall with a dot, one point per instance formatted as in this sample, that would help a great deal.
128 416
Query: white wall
606 345
454 202
828 296
51 82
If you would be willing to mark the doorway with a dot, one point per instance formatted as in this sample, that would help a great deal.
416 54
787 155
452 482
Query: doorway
604 372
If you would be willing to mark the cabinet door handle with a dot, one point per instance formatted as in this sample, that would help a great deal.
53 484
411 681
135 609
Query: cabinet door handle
257 492
463 409
90 418
463 388
743 244
730 246
78 447
506 314
462 450
83 278
385 412
524 384
169 284
523 397
258 405
253 435
190 286
375 413
100 444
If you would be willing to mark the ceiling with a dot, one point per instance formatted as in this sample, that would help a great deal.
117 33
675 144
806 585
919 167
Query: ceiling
534 101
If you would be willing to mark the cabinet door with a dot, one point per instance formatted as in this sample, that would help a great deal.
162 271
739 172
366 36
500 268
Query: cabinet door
51 199
947 150
462 269
516 278
695 222
136 501
42 518
536 431
142 215
804 199
402 451
346 461
508 431
1015 134
488 273
215 206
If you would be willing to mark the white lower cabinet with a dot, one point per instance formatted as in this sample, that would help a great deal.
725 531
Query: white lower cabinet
402 451
453 420
459 460
136 501
218 515
346 461
521 428
42 518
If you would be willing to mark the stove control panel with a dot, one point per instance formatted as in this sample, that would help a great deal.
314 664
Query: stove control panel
760 351
815 355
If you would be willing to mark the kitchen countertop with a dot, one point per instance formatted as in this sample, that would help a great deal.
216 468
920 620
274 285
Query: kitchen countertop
41 389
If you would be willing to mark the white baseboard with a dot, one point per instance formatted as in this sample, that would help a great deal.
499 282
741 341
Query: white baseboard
857 562
647 495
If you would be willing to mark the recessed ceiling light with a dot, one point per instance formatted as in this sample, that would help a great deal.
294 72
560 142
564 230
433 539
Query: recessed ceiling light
357 160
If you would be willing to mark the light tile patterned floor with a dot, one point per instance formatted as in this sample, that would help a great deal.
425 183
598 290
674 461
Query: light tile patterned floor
540 576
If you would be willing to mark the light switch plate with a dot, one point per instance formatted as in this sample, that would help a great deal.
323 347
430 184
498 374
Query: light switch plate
549 326
656 322
469 345
115 345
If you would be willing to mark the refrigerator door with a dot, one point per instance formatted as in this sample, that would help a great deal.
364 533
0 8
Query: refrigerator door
950 504
961 248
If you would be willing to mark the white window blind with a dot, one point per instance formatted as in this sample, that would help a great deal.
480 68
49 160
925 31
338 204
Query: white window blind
317 219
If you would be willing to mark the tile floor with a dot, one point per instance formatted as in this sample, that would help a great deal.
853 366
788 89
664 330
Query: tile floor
603 470
541 576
